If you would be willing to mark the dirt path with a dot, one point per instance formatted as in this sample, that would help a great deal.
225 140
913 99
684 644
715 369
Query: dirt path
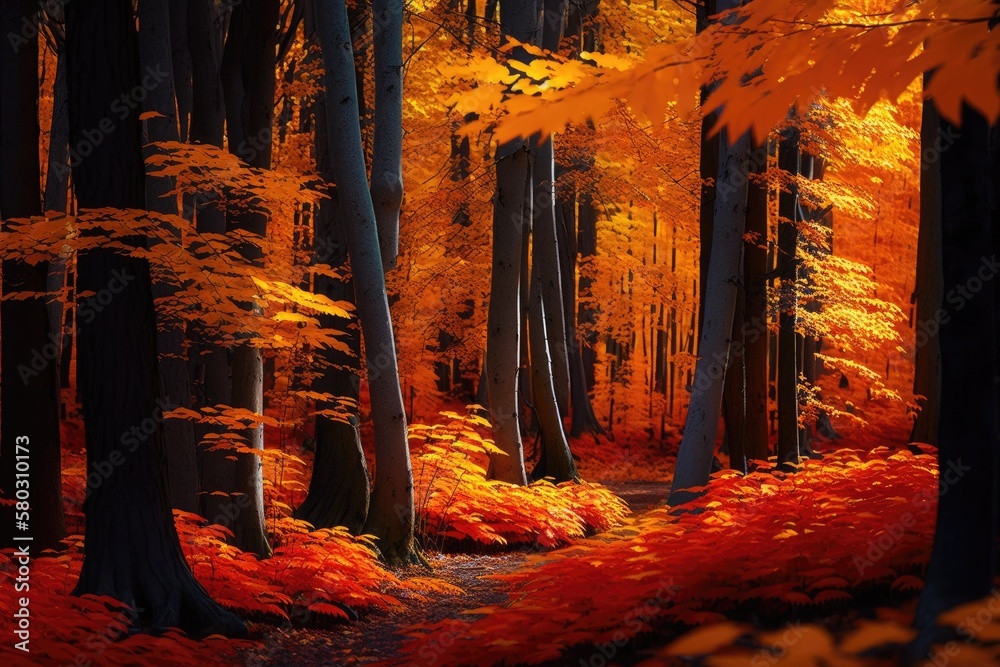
641 496
377 637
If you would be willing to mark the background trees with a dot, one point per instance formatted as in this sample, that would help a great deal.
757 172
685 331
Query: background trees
566 261
29 397
133 553
390 516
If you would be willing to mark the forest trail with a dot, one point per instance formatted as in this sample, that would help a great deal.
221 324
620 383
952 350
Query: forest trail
380 634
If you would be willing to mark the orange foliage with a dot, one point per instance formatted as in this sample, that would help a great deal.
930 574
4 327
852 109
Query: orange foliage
869 642
314 576
768 543
459 508
309 567
776 55
89 630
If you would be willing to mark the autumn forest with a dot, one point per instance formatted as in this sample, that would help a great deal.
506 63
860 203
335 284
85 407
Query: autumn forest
500 332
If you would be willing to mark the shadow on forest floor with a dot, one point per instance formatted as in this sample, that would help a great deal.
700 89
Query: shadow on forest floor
378 637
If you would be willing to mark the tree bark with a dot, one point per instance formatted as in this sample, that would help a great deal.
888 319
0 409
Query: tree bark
203 40
391 513
182 63
207 125
387 142
547 258
175 382
587 244
694 458
708 169
519 21
755 330
788 371
555 461
56 196
131 548
339 491
963 559
29 394
544 228
734 396
248 86
583 419
339 486
929 289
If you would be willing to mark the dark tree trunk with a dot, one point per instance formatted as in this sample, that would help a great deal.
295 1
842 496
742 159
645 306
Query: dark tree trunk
555 461
131 548
29 395
391 512
211 362
204 42
339 486
708 170
963 559
695 455
543 220
929 289
525 388
755 330
788 371
171 344
183 62
583 419
745 393
56 199
519 20
587 244
248 85
734 406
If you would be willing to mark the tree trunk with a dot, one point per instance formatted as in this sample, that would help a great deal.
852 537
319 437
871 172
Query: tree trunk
175 382
526 396
29 394
545 250
211 362
391 514
504 330
694 459
248 86
734 397
755 314
131 548
963 558
544 227
788 371
583 419
183 61
587 244
556 461
56 196
929 289
708 169
339 487
203 40
339 492
387 142
503 336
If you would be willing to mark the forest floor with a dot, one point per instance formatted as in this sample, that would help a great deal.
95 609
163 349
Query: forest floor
378 637
838 549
